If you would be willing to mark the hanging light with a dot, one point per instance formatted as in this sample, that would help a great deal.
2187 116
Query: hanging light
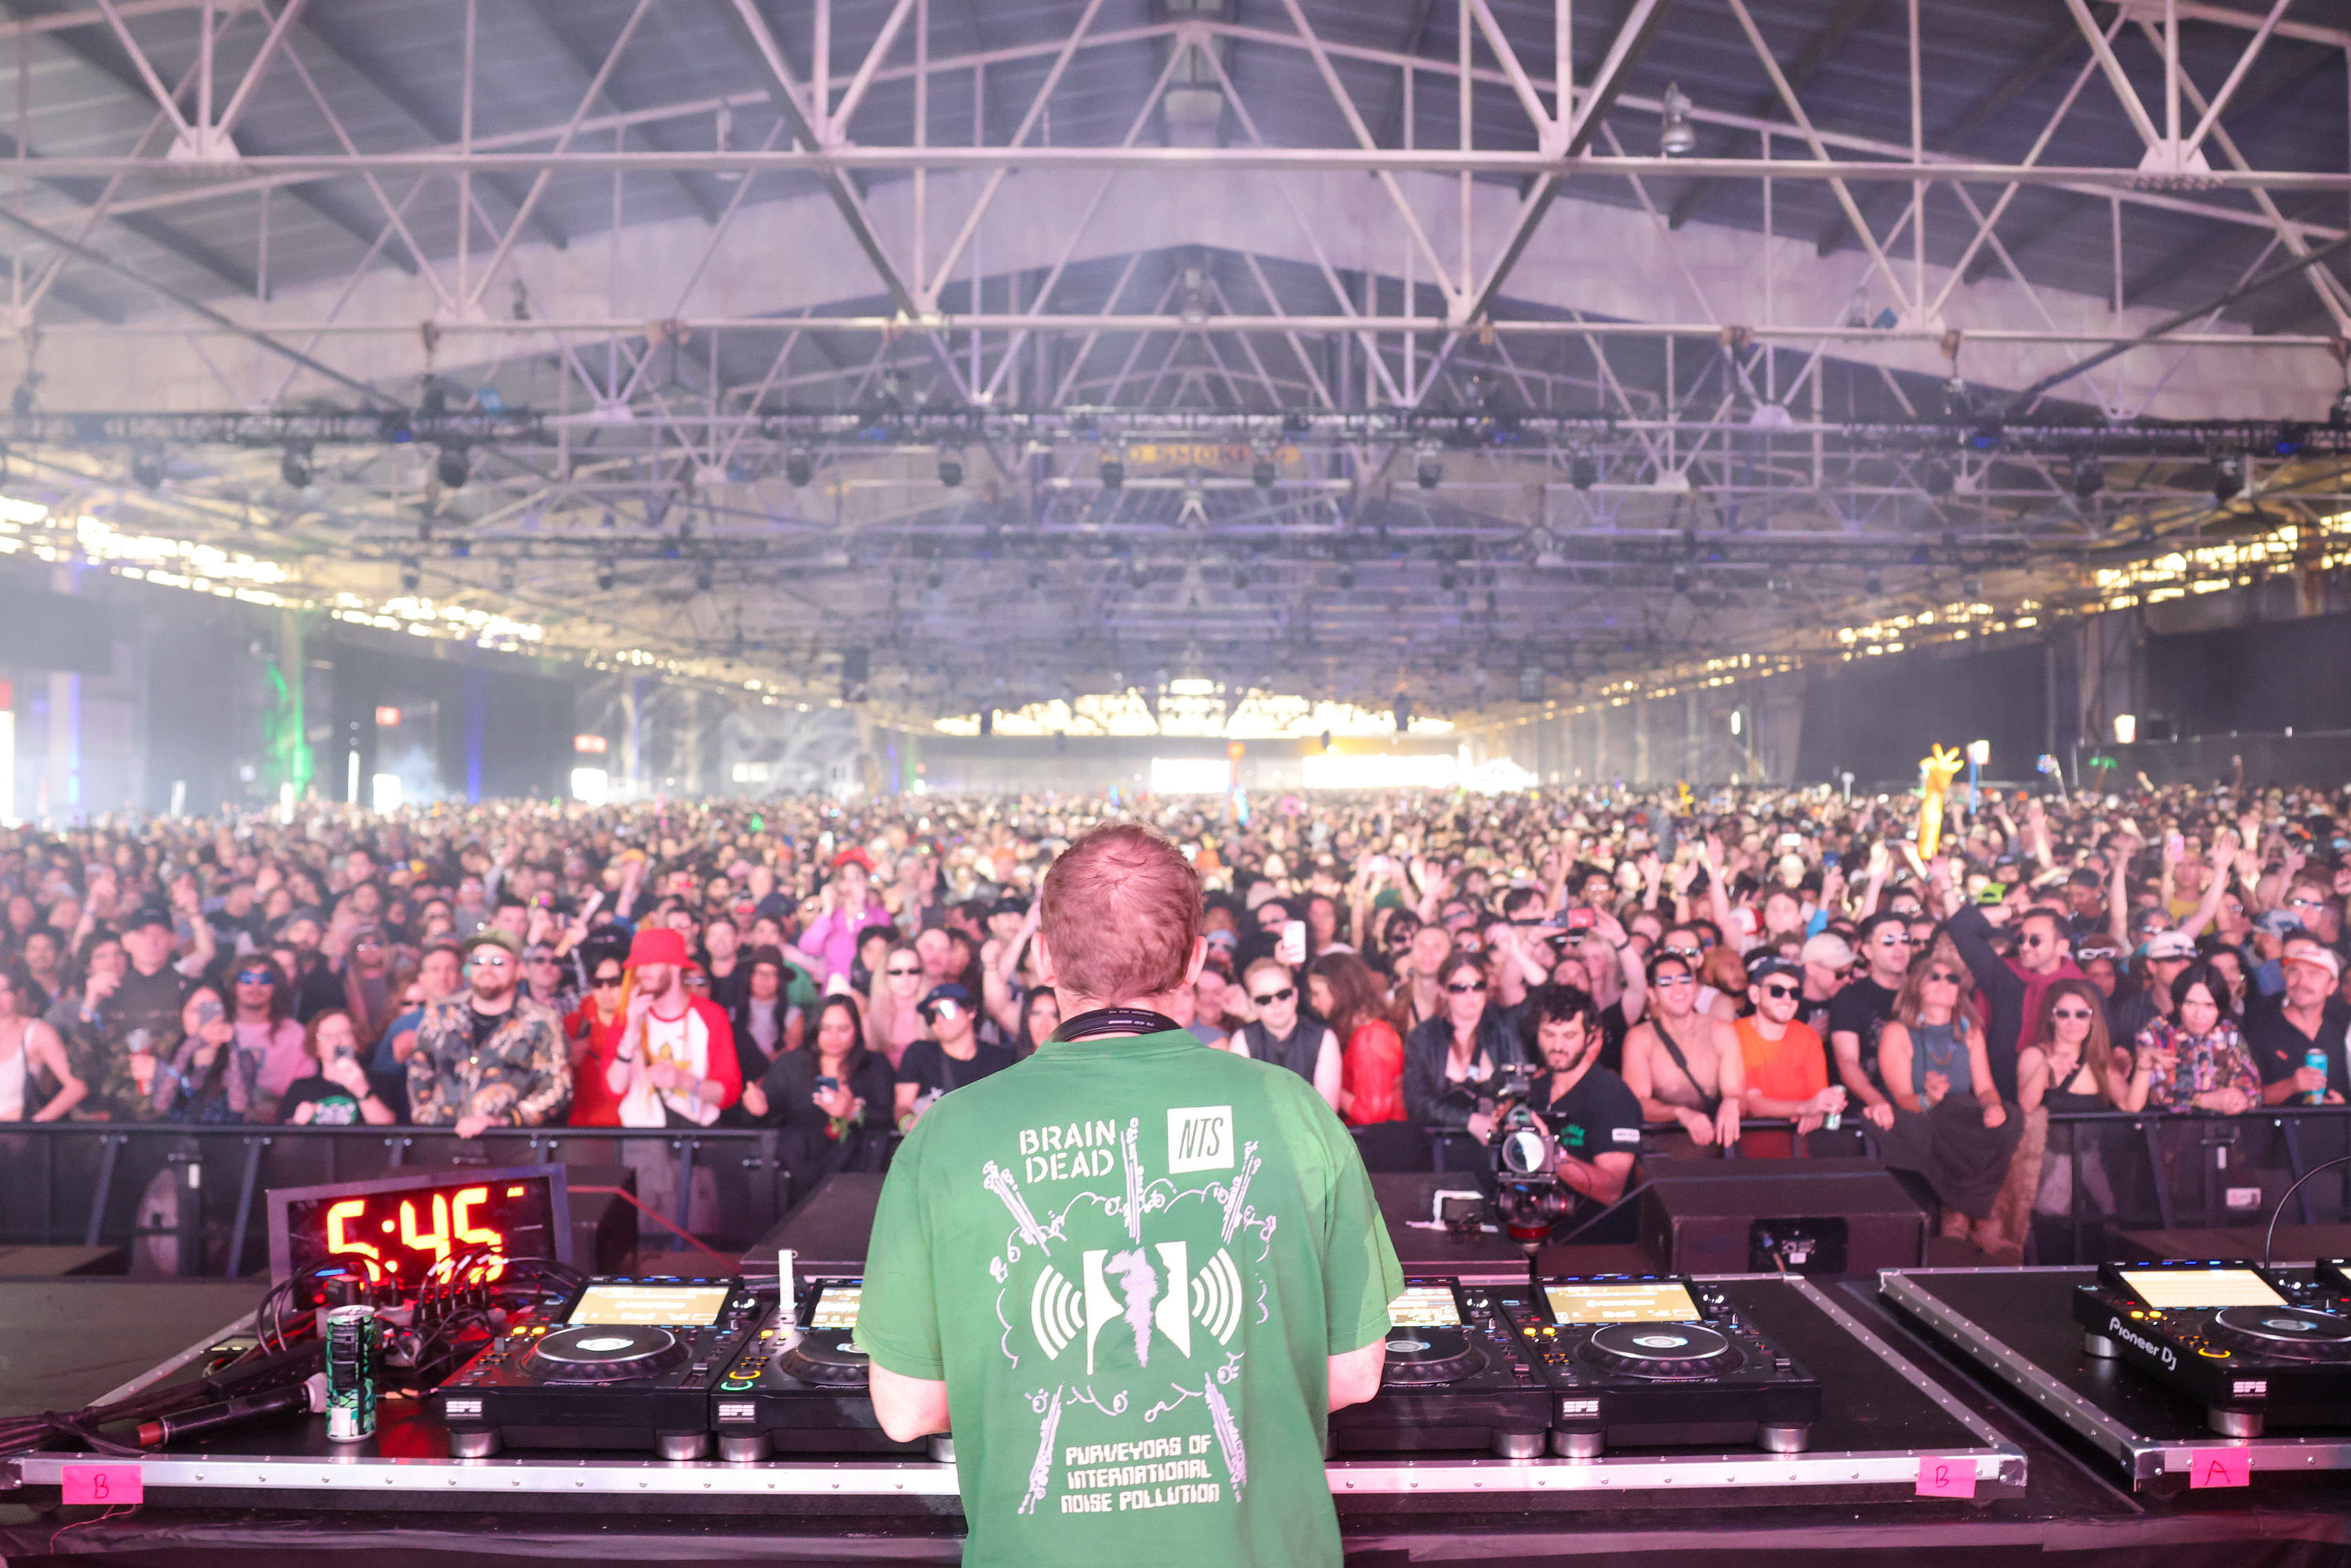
1113 467
411 577
2228 476
951 466
453 468
800 467
295 468
2089 478
1429 467
1677 137
607 573
1935 478
1583 470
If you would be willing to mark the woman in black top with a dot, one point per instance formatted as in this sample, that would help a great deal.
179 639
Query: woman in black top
1453 1062
831 1099
765 1028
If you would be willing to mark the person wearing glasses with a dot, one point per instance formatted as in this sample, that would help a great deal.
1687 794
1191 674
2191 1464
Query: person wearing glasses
1952 1125
893 1010
1289 1035
1785 1064
1684 1066
489 1057
2011 988
950 1057
2166 958
594 1031
1453 1062
1859 1012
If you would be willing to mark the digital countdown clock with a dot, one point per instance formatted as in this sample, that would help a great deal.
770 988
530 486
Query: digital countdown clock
407 1223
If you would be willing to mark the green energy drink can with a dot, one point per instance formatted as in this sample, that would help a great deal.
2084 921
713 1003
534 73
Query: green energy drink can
352 1344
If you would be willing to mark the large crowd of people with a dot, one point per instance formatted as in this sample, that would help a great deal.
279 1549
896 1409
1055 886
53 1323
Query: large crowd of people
1644 973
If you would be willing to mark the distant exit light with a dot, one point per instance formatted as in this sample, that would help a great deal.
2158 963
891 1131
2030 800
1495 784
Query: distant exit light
387 718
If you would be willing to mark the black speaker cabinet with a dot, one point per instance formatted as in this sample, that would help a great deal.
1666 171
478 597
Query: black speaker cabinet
1801 1217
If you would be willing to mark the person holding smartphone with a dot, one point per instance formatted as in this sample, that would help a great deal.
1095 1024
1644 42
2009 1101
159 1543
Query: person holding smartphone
831 1100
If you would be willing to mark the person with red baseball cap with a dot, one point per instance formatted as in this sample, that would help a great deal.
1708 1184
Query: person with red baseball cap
675 1065
847 908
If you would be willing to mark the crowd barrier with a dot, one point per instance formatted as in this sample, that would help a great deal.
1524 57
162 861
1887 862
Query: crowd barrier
98 1183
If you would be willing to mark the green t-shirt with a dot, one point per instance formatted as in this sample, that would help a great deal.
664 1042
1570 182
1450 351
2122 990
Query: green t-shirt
1130 1260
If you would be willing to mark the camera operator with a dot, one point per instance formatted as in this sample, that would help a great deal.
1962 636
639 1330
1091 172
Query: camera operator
1592 1118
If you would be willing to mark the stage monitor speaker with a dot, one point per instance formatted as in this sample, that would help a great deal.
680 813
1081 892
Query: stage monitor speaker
1798 1217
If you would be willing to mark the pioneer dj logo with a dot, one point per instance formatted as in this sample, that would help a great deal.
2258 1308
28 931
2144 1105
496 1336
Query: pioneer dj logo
1060 1313
2162 1353
1200 1138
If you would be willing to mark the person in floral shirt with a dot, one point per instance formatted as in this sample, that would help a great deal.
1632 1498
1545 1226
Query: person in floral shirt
2195 1060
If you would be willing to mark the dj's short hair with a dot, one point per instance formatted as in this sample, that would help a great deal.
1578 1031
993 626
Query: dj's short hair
1121 915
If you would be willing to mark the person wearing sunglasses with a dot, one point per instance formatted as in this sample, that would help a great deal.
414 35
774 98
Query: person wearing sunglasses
1683 1065
595 1032
893 1009
1952 1127
1287 1034
1453 1062
1859 1011
1785 1063
2069 1066
489 1057
951 1056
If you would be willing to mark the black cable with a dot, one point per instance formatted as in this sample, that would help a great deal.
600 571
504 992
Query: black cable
2269 1237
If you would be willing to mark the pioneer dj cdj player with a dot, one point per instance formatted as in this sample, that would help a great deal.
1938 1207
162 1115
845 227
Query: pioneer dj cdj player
1455 1378
1634 1361
631 1366
799 1386
2254 1347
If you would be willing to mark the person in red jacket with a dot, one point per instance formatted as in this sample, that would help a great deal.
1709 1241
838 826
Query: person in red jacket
675 1064
594 1031
1343 990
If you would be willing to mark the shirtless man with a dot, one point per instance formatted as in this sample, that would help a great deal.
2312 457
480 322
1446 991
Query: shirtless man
1685 941
1666 1092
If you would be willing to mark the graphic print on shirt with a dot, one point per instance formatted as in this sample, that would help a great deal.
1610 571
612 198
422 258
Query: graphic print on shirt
1128 1299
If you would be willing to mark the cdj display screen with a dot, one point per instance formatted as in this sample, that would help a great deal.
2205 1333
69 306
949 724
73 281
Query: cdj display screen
2171 1290
1424 1307
696 1305
1657 1301
836 1307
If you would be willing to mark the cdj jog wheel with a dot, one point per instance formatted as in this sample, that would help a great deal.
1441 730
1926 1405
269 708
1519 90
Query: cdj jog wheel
2294 1332
1420 1357
829 1356
600 1352
1661 1349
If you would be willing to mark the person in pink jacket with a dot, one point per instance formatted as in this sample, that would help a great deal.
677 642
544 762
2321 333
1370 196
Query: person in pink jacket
831 940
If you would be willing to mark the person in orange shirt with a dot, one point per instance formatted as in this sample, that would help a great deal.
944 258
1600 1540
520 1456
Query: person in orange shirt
1787 1064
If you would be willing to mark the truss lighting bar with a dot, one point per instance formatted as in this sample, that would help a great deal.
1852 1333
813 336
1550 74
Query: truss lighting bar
1222 439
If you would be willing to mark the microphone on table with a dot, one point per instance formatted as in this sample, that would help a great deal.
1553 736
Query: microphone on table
309 1395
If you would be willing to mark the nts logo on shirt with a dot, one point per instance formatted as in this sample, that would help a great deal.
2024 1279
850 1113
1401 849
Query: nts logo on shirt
1200 1138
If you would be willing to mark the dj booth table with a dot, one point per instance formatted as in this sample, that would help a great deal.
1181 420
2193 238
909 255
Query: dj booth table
1895 1388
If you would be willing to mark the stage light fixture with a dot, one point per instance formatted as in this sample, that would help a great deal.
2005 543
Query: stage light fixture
1677 137
1681 579
607 574
2289 439
1429 467
146 470
461 550
1872 585
951 466
1114 469
1346 577
453 468
1583 470
1036 579
2338 414
1959 403
932 578
1935 477
295 468
411 577
1447 580
506 576
2089 478
2228 476
705 572
1240 578
1261 471
800 467
1971 587
1985 437
1138 577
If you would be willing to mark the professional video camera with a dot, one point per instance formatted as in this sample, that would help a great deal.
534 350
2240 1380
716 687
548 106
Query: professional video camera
1528 1193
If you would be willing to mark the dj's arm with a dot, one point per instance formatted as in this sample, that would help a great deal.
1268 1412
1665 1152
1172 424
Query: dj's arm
1354 1375
911 1407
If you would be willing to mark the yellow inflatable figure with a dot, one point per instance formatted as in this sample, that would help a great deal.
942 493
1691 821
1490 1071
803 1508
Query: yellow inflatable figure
1942 765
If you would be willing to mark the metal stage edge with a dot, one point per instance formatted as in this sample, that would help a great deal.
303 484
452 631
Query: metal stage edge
1999 1464
2145 1459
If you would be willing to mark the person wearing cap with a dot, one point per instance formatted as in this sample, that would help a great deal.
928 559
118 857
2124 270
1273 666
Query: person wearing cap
1787 1064
950 1057
846 906
133 1022
2165 958
2267 946
2308 1020
1827 959
489 1056
675 1064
